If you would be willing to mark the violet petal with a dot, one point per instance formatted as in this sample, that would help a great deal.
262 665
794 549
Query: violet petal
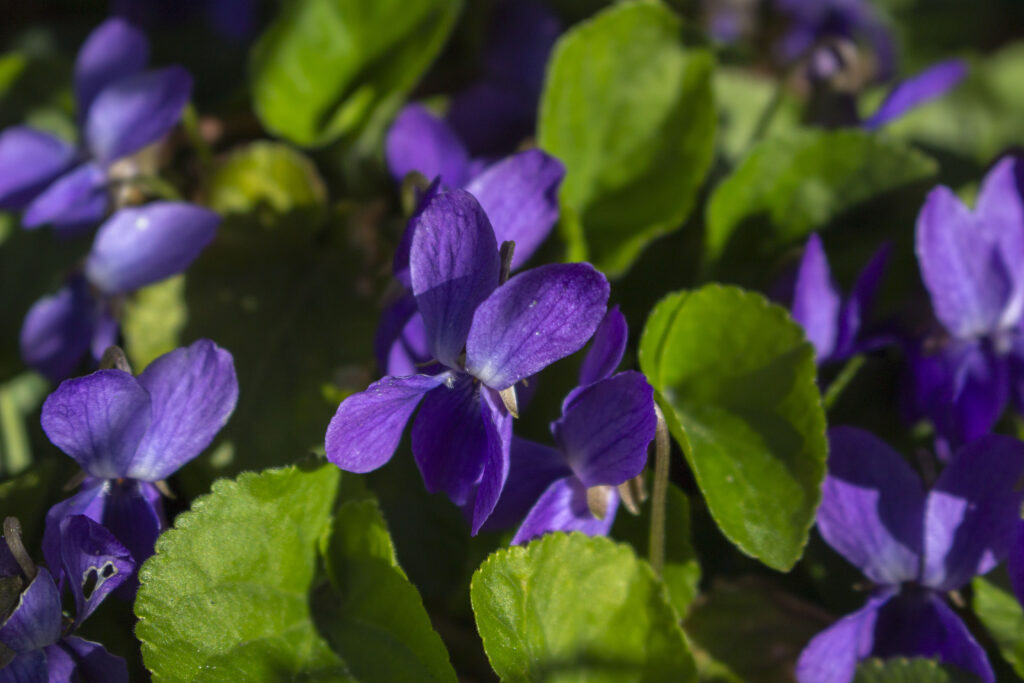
76 200
606 348
932 83
815 300
833 654
29 161
36 619
563 507
532 468
420 141
94 562
115 49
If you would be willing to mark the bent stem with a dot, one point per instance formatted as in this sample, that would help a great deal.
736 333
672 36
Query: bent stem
656 543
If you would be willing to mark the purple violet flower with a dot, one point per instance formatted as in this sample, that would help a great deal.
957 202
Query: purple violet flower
913 545
135 247
34 633
129 433
601 440
972 263
833 325
485 337
520 197
121 109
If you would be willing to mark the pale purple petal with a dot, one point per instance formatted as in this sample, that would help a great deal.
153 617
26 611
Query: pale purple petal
115 49
420 141
816 301
139 246
450 440
971 512
76 200
932 83
855 307
366 429
35 621
28 667
920 624
605 430
105 331
99 420
94 663
136 111
194 391
563 507
833 654
454 266
57 330
520 196
1000 209
498 429
29 161
606 348
872 507
534 319
532 468
963 267
94 562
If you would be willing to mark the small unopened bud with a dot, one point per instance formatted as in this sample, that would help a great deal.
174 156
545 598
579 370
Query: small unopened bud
598 500
114 358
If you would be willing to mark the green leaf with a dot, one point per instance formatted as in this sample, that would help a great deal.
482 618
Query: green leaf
752 629
325 68
736 379
571 608
152 321
28 497
795 183
265 174
742 97
628 109
1001 614
682 571
916 670
226 597
19 398
378 624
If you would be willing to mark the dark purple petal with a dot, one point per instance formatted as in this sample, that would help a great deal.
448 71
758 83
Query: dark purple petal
498 430
139 246
105 332
450 440
970 283
115 49
933 82
94 663
401 340
134 512
29 161
606 348
99 420
94 562
400 263
77 199
420 141
971 512
520 196
58 329
563 507
832 655
89 501
454 266
366 429
534 319
36 619
491 118
194 391
532 468
872 507
605 429
815 300
853 310
521 37
920 624
133 112
28 667
1000 209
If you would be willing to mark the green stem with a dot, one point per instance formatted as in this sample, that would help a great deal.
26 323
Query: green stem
656 544
842 380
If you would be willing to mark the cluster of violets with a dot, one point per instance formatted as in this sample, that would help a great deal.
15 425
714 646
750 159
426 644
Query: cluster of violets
467 335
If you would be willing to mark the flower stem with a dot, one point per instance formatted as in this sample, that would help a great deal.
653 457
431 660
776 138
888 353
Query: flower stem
12 535
659 495
842 380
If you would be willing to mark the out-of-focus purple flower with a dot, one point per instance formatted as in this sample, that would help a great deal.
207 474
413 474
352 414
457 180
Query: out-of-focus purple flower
601 441
972 263
35 631
133 248
832 325
913 545
235 20
484 337
127 433
930 84
520 197
121 109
